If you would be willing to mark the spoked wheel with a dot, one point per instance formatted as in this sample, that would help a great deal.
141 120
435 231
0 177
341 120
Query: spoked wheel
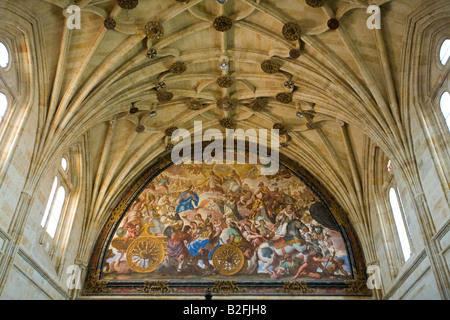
145 254
228 260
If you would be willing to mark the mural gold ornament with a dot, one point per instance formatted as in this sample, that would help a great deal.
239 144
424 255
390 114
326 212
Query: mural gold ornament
358 286
226 287
145 254
333 24
315 3
127 4
178 67
270 67
284 97
295 288
228 260
222 23
294 53
258 104
292 31
95 286
155 288
282 130
110 23
169 131
154 30
225 82
227 123
226 104
164 96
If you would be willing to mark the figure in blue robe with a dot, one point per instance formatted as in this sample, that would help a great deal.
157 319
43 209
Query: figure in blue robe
186 201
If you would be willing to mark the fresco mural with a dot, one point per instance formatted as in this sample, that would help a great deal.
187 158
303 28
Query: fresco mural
218 221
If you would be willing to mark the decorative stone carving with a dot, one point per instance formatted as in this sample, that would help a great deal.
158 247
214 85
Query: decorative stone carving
222 23
227 123
282 130
226 104
127 4
284 97
169 131
292 31
315 3
154 30
358 286
258 104
225 82
194 105
95 286
294 53
151 53
178 67
134 110
333 24
164 96
226 287
169 147
270 67
110 23
311 125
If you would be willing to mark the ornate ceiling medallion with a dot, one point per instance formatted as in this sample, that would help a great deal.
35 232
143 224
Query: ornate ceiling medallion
282 130
169 131
127 4
289 85
160 85
227 123
294 53
270 67
258 104
169 147
226 104
154 30
178 67
110 23
292 31
134 110
194 105
284 97
222 23
140 128
333 24
315 3
151 53
164 96
225 82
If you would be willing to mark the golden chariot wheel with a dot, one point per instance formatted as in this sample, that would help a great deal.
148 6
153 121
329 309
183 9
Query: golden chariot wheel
145 254
228 260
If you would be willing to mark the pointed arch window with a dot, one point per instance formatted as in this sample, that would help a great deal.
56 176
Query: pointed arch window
445 107
400 222
4 56
444 53
54 208
3 106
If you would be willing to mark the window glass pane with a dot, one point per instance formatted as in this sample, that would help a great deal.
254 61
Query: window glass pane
3 106
445 52
64 164
56 212
400 224
445 107
4 56
50 201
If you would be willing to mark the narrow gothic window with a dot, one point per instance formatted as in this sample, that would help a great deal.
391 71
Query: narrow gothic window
445 108
400 223
3 106
4 56
444 53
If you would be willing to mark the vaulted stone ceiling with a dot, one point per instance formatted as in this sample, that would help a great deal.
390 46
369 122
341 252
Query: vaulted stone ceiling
344 79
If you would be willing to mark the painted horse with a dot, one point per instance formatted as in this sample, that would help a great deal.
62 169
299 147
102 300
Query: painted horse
272 253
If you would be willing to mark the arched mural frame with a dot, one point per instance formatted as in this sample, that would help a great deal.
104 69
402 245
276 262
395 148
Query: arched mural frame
95 284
